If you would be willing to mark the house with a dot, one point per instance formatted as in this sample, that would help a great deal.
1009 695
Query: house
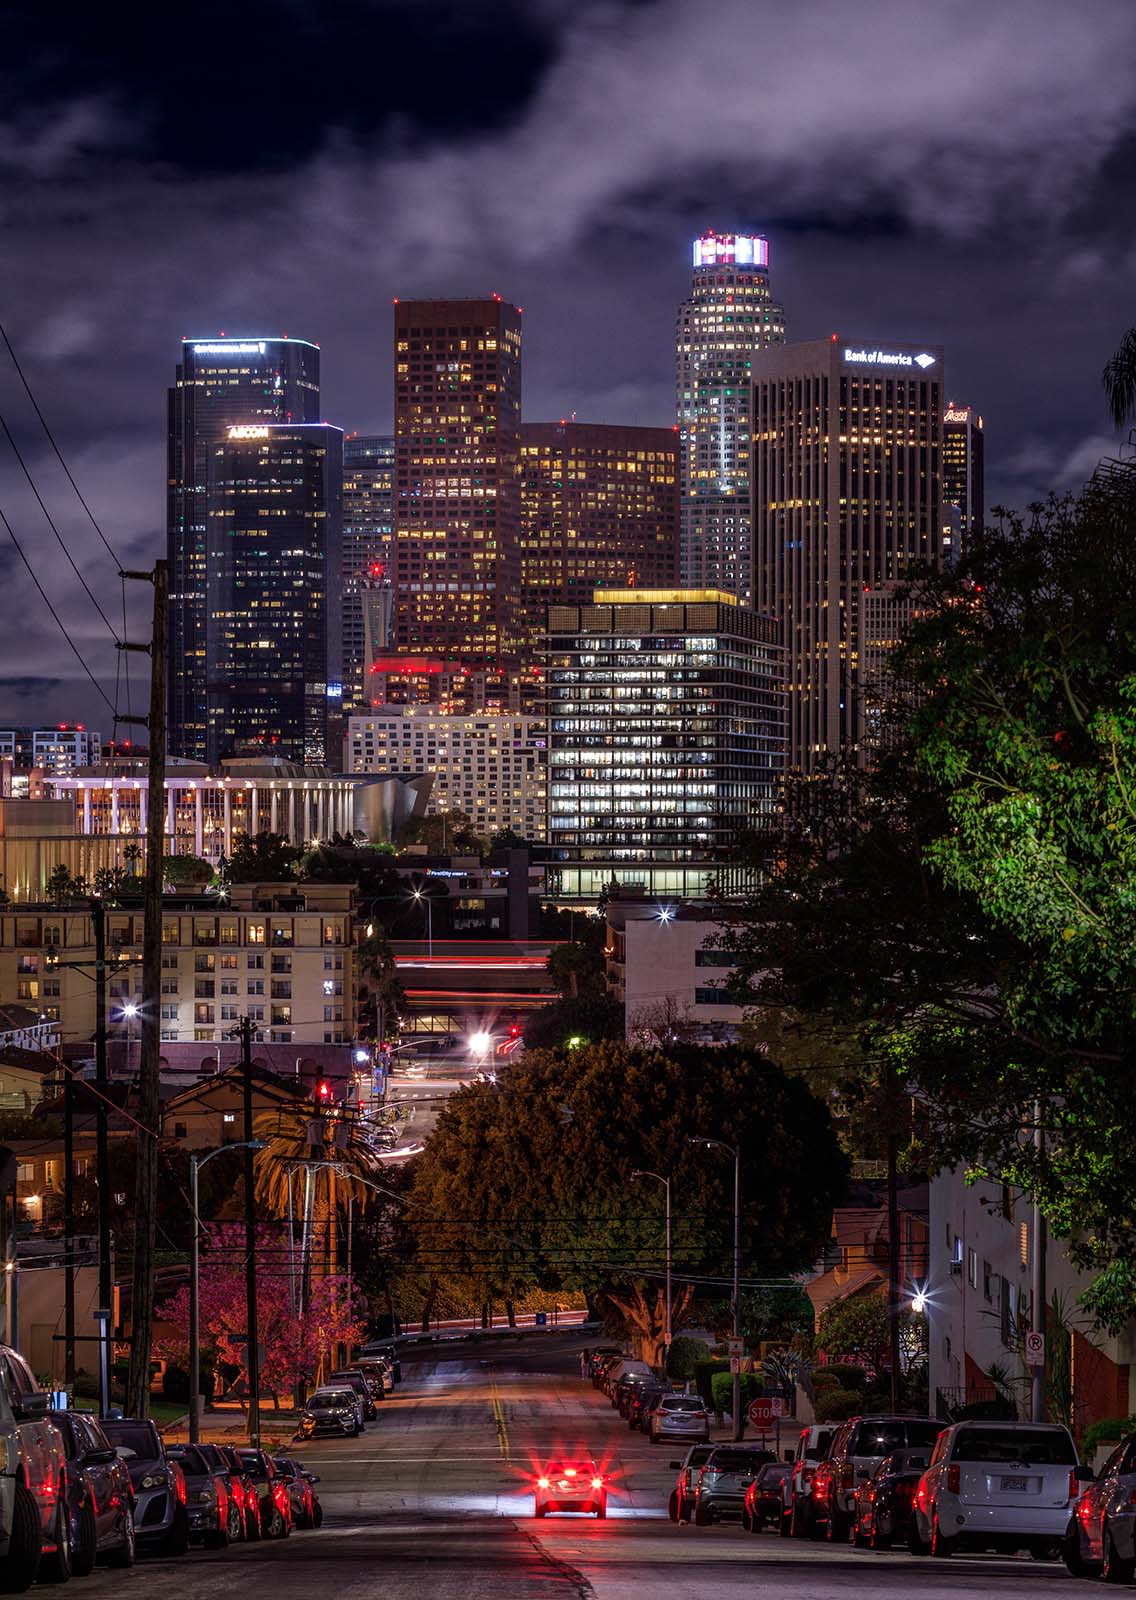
856 1259
210 1114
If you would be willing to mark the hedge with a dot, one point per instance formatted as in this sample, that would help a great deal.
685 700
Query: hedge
722 1389
846 1373
836 1405
704 1378
684 1356
1109 1430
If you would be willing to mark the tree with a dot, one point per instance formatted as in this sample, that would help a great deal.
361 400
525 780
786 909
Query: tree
445 833
576 969
62 887
262 858
531 1179
566 1024
379 992
371 867
508 839
1119 378
185 870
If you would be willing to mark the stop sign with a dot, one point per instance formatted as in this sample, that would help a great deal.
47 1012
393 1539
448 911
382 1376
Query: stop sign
761 1411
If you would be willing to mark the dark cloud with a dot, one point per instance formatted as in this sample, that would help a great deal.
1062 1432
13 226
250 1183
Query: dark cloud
960 174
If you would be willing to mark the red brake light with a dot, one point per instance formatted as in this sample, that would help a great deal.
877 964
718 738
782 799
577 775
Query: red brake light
904 1490
542 1483
1074 1486
847 1477
597 1483
954 1479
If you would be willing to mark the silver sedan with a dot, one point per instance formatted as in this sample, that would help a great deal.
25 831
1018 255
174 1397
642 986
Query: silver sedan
678 1416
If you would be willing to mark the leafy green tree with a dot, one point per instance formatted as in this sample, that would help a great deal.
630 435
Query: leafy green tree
262 858
179 871
576 969
683 1356
380 994
508 839
62 886
531 1179
446 833
568 1024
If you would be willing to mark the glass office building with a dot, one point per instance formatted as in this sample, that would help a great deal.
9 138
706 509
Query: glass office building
666 738
368 561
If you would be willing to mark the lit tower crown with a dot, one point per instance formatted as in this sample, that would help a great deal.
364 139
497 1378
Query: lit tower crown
729 316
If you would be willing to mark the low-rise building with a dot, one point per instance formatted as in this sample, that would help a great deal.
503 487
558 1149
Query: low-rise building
490 765
60 750
210 1113
662 961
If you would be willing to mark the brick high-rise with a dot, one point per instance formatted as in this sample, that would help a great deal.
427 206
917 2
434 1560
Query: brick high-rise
457 403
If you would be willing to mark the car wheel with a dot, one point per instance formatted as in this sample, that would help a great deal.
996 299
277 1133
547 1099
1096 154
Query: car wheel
917 1545
124 1554
56 1568
876 1539
317 1515
798 1520
703 1516
785 1523
19 1569
1114 1569
747 1523
1075 1563
942 1548
236 1526
838 1527
84 1542
277 1527
672 1506
175 1540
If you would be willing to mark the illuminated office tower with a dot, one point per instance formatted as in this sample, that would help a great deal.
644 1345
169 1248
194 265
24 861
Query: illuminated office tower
599 506
963 485
729 317
273 638
220 383
368 558
457 403
847 475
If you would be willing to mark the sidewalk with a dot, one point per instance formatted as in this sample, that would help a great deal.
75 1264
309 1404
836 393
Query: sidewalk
226 1424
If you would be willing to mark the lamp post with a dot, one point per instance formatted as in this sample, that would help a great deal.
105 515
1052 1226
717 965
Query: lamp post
731 1150
425 898
666 1183
196 1163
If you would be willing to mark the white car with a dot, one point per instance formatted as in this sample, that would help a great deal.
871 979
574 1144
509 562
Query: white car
570 1486
1003 1486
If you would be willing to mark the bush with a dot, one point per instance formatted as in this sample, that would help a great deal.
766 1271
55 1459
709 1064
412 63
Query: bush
722 1389
683 1357
175 1384
836 1405
1000 1409
824 1380
1109 1430
704 1379
845 1375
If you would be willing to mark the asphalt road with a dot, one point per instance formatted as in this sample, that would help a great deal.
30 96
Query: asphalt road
432 1502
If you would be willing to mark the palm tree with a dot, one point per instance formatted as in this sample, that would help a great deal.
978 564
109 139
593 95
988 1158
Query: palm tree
1119 378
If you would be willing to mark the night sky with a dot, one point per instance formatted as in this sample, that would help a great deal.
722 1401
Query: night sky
957 173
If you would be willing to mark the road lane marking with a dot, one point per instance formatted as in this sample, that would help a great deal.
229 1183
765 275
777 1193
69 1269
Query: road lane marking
499 1419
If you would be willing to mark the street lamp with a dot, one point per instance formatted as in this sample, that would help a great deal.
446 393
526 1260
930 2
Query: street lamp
196 1163
731 1150
666 1183
420 897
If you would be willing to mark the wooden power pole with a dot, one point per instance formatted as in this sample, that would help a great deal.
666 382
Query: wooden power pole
149 1113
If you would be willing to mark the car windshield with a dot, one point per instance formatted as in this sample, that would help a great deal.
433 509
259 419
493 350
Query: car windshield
347 1377
190 1460
1041 1447
332 1397
133 1439
735 1460
881 1438
774 1472
681 1402
257 1464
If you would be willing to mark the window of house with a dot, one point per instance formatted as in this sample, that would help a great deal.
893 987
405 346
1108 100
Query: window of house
972 1268
987 1281
254 933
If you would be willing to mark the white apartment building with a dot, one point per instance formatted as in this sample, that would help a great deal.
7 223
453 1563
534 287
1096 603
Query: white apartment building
662 963
58 751
491 765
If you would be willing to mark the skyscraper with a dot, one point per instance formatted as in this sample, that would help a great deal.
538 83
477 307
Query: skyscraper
457 401
599 506
273 638
368 561
847 486
220 383
729 317
963 471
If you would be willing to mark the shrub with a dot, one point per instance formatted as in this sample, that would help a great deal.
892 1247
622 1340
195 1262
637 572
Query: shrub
836 1405
683 1357
845 1374
723 1389
704 1379
823 1379
1000 1409
1109 1430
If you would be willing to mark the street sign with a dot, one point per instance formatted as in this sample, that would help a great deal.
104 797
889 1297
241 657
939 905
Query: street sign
735 1363
1035 1349
762 1412
540 1320
737 1347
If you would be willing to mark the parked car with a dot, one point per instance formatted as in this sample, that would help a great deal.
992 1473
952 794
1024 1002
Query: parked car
330 1410
644 1397
243 1486
681 1504
677 1416
350 1379
885 1502
858 1446
378 1370
623 1368
99 1495
272 1491
301 1490
35 1525
1101 1537
599 1359
1001 1486
812 1447
725 1476
160 1515
317 1509
206 1495
234 1490
386 1350
628 1385
764 1500
574 1485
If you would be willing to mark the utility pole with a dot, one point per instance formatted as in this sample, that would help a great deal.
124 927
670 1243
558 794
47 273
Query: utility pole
69 1230
1038 1289
102 1154
149 1105
895 1284
253 1357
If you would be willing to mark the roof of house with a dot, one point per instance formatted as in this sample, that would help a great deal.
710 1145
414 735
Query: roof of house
15 1018
265 1083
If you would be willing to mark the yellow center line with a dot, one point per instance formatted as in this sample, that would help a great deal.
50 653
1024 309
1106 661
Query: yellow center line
499 1419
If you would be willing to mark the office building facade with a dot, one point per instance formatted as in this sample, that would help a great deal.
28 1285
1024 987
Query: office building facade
730 316
492 766
273 637
53 751
368 561
666 738
599 508
220 383
457 402
847 484
963 485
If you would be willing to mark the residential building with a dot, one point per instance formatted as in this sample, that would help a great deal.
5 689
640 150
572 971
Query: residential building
490 765
847 485
730 316
666 738
599 507
457 401
280 954
368 562
60 750
979 1308
855 1260
220 383
209 1114
963 474
663 963
274 623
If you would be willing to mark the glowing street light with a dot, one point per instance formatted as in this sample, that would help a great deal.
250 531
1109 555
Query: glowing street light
479 1043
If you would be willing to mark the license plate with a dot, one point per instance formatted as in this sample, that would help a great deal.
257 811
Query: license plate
1014 1483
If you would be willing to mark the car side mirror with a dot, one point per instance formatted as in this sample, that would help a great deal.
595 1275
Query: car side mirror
35 1405
676 1466
100 1458
1084 1473
312 1477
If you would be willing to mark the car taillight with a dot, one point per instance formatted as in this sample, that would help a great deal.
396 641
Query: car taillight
179 1487
542 1483
847 1477
808 1474
904 1491
597 1483
954 1479
1074 1486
